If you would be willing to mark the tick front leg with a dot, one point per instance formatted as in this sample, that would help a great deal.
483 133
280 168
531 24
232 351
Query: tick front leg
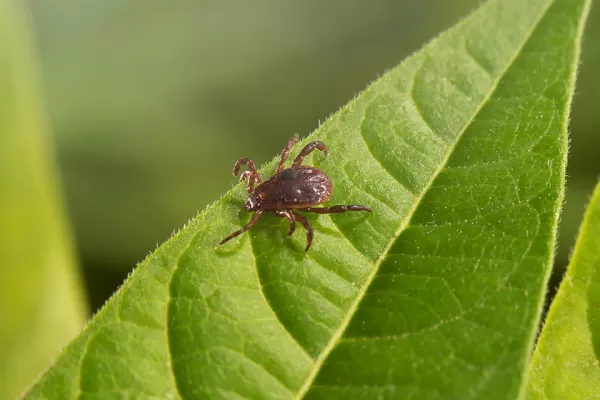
244 229
307 150
309 231
251 178
336 209
251 175
290 216
286 151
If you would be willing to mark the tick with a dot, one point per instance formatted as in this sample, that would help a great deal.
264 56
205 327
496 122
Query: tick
289 190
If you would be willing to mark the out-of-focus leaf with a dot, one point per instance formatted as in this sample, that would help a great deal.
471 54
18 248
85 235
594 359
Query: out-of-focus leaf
566 362
41 306
460 151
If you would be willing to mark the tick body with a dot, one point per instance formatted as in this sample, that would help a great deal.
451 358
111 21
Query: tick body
289 190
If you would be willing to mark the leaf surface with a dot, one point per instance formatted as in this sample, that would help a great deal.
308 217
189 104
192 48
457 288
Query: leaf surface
41 301
460 151
566 359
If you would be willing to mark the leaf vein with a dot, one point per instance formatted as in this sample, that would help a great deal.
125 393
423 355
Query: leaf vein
268 303
417 200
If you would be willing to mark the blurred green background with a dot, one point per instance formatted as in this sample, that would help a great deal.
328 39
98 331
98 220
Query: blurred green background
150 103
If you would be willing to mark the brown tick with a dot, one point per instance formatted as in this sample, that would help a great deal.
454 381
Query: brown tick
298 188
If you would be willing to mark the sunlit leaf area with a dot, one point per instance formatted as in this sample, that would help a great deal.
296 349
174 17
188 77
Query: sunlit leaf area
463 136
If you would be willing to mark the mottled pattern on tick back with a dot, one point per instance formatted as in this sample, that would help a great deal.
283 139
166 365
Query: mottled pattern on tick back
291 188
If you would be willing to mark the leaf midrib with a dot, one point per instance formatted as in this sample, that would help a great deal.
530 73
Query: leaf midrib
414 206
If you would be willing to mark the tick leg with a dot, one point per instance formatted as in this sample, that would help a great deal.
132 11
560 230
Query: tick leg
286 151
287 214
307 150
251 175
309 231
244 229
248 175
336 209
245 175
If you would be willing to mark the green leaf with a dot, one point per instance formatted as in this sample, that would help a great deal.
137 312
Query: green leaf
565 364
460 151
41 302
